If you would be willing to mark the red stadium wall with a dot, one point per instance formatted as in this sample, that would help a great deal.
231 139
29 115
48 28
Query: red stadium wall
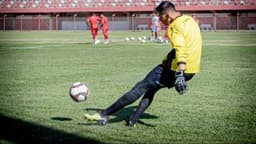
245 20
32 23
57 15
224 21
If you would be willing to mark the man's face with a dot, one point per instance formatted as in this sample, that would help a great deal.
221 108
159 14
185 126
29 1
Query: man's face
165 18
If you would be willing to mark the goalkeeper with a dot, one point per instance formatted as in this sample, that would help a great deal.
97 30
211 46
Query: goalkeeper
179 66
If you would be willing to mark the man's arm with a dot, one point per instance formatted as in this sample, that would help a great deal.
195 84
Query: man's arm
181 66
87 22
181 56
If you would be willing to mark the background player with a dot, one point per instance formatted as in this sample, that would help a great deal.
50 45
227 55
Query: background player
104 25
155 26
93 22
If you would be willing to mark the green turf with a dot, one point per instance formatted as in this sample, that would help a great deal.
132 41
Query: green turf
37 68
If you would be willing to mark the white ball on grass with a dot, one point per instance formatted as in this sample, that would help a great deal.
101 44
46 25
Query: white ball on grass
143 41
127 39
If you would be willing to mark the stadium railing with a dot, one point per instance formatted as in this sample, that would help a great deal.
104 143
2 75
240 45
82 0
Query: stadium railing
207 22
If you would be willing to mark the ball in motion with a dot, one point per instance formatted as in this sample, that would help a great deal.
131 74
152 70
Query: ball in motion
78 92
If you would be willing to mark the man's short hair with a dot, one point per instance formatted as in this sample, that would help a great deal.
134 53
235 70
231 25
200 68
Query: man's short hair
165 6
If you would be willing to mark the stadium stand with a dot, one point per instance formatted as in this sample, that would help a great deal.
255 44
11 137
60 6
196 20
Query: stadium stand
30 6
123 14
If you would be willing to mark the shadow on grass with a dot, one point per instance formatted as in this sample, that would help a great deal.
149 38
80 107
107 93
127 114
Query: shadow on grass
61 119
124 114
20 131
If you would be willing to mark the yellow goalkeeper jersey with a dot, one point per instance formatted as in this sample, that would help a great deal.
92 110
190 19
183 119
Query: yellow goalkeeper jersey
185 37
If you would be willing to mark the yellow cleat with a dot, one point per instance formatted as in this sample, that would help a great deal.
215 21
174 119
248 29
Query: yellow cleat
96 117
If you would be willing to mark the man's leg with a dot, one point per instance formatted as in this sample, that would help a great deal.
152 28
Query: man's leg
152 33
143 105
155 32
136 92
156 36
150 82
105 33
149 95
96 32
93 35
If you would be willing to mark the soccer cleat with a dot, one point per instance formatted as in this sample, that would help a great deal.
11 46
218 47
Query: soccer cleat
130 123
97 42
103 121
106 41
96 117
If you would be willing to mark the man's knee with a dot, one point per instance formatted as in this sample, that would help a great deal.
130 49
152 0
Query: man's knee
137 91
129 98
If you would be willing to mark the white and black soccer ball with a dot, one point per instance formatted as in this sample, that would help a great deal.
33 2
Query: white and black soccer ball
79 92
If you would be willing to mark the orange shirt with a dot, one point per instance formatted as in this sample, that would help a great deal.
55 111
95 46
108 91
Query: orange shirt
104 22
93 21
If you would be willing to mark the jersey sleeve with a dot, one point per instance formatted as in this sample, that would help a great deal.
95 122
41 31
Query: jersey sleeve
178 40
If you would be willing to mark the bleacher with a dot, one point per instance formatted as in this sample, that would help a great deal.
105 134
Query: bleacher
8 6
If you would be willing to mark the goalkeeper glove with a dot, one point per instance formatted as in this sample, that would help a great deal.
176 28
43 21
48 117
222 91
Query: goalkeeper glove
180 83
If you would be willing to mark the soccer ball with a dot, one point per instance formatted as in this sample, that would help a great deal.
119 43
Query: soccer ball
127 39
143 41
132 38
78 92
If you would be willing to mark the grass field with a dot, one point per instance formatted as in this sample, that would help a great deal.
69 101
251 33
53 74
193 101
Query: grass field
37 68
